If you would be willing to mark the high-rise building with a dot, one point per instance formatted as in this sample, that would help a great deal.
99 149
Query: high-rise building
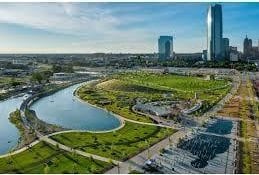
165 47
250 51
225 48
214 32
248 47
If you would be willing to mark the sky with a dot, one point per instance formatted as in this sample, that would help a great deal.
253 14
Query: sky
118 27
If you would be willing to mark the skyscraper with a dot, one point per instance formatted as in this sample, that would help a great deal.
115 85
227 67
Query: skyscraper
165 47
214 32
225 48
247 47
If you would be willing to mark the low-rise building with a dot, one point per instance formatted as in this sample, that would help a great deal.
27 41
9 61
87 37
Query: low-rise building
61 76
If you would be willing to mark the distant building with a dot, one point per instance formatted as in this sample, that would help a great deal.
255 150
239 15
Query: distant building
232 49
250 51
165 47
214 32
188 56
247 47
225 48
234 55
61 76
204 55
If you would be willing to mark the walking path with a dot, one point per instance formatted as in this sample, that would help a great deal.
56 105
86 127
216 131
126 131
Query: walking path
20 150
69 149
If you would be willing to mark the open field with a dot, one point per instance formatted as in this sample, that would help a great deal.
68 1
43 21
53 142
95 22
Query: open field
118 145
44 158
121 91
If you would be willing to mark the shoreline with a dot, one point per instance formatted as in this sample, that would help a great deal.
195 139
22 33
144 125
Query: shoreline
121 119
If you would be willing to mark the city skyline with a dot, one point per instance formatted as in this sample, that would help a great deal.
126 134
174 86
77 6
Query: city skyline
118 27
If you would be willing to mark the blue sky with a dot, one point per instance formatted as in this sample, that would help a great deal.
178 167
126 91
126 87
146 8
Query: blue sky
118 27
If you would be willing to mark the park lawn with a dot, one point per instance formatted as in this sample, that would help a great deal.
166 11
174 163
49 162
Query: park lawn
185 83
45 158
119 145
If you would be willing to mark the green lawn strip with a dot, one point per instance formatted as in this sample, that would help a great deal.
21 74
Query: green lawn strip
45 158
119 145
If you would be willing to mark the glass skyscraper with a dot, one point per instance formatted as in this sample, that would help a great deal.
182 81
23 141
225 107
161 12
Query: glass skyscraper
214 32
165 47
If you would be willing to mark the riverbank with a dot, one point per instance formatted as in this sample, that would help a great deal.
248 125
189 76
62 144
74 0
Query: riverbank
27 135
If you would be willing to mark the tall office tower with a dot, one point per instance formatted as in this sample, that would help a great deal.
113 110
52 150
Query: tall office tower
214 32
225 48
247 47
165 47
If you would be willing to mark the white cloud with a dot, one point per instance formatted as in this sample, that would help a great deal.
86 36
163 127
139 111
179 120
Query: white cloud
64 18
98 28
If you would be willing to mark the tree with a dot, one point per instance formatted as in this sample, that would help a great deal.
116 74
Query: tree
14 82
36 76
62 68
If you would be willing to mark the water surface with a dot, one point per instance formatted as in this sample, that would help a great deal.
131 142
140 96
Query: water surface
64 109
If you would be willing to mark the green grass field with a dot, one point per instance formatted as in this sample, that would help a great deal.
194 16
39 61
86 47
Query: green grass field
120 144
44 158
177 82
